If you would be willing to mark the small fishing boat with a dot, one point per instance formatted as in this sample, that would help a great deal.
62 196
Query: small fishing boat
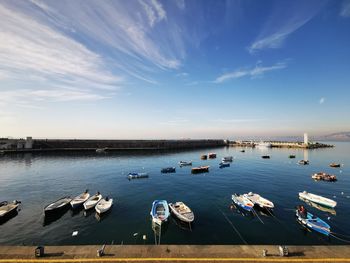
242 202
303 162
319 207
182 212
224 164
256 199
242 151
204 157
335 165
137 175
201 169
318 199
168 170
292 156
265 156
57 206
312 222
184 163
92 201
211 155
79 200
227 159
104 205
324 177
160 211
7 209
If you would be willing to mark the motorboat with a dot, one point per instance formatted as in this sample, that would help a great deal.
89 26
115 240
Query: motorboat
92 201
80 199
242 202
257 199
104 205
311 221
265 156
182 211
160 211
318 199
292 156
137 175
184 163
57 206
335 165
211 155
319 207
204 157
303 162
201 169
168 170
227 159
324 177
224 164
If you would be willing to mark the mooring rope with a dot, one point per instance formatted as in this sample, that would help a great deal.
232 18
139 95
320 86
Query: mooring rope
341 239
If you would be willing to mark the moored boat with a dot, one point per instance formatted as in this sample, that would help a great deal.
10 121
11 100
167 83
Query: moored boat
242 202
256 199
101 150
184 163
311 221
7 209
319 207
182 212
137 175
80 199
211 155
168 170
227 159
204 157
324 177
224 164
242 151
318 199
104 205
57 206
160 211
201 169
292 156
92 201
335 165
265 156
303 162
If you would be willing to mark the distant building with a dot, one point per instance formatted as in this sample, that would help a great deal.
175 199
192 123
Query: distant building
306 139
15 144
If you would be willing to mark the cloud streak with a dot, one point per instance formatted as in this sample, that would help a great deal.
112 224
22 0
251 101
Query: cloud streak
345 9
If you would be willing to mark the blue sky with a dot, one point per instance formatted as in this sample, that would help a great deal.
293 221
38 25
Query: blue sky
173 69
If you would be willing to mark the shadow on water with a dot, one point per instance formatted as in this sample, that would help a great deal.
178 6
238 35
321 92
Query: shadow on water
54 216
182 225
101 217
76 211
241 211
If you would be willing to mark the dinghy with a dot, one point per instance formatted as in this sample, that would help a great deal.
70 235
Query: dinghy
57 206
312 222
224 164
92 201
303 162
80 199
324 177
227 159
182 212
242 202
104 205
168 170
160 211
256 199
137 175
184 163
318 199
6 209
335 165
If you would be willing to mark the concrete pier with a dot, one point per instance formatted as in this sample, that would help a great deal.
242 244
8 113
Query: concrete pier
176 253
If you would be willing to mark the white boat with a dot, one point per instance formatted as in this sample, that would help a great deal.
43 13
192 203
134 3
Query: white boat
8 208
227 159
80 199
318 199
184 163
92 201
182 211
104 205
257 199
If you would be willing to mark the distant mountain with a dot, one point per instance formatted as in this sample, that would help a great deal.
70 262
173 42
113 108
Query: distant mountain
339 136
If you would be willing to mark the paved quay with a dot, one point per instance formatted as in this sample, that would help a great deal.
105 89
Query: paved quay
175 253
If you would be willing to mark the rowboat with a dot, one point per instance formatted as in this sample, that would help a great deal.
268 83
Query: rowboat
227 159
211 155
57 206
168 170
80 199
7 209
319 207
318 199
160 211
104 205
92 201
324 177
204 157
242 202
335 165
184 163
201 169
256 199
224 164
182 211
312 222
303 162
265 156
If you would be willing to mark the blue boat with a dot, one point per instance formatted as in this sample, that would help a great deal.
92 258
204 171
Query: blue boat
313 222
160 211
224 164
242 202
168 170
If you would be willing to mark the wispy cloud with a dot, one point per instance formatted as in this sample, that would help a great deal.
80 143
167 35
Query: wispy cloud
322 100
285 18
238 120
257 71
175 122
345 9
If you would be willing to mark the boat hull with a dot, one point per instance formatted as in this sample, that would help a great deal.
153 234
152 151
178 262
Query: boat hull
188 217
160 211
58 206
244 204
314 223
318 199
103 206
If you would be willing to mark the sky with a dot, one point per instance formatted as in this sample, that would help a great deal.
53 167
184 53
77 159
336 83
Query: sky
174 69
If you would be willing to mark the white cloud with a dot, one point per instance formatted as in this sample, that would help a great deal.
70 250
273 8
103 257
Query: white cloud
154 11
345 9
238 120
322 100
258 70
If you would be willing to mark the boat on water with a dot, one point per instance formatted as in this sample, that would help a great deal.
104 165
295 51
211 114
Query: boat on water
137 175
92 201
303 162
227 159
265 156
311 221
211 155
168 170
7 209
104 205
319 207
204 157
57 206
224 164
257 199
182 211
80 199
184 163
160 211
243 202
324 177
318 199
335 165
201 169
292 156
101 150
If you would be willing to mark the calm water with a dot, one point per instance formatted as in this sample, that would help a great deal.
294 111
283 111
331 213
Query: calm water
38 179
